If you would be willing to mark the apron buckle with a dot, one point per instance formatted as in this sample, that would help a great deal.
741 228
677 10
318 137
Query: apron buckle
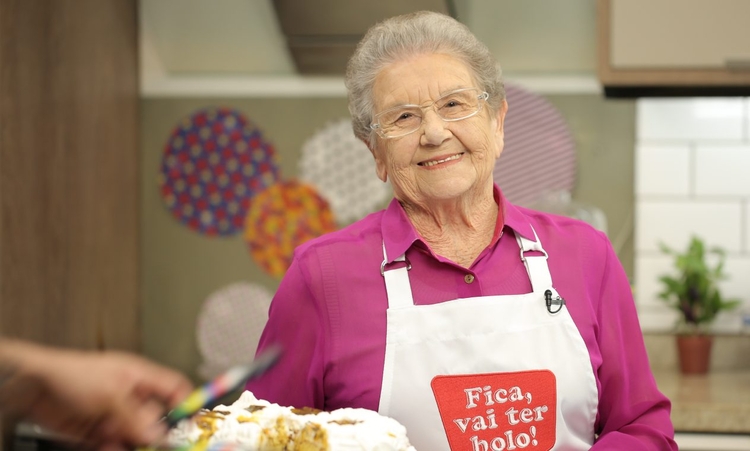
382 265
523 258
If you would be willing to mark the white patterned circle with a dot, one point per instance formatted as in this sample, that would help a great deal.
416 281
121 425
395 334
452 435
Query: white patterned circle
539 156
229 326
342 169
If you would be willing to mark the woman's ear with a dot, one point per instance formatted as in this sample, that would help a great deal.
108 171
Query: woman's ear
500 126
380 167
500 117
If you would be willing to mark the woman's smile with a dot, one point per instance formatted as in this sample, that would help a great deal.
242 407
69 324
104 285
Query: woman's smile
445 159
441 161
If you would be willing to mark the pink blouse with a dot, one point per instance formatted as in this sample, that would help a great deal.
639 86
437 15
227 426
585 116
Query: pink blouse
329 314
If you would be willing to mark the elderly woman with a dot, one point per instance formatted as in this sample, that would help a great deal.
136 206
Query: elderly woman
477 324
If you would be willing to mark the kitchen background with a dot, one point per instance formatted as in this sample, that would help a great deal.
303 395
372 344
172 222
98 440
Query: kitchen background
659 169
181 269
92 256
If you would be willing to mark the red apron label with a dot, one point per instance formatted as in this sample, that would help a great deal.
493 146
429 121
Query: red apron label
498 411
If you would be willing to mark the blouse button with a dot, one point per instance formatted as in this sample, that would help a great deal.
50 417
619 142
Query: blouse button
468 278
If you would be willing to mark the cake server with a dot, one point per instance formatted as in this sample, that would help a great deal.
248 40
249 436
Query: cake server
228 381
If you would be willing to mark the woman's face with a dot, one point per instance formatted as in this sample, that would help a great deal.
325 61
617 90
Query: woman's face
441 160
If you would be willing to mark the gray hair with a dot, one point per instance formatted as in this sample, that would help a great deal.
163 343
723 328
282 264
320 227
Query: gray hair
407 35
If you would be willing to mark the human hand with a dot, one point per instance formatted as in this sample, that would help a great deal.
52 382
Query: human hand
106 400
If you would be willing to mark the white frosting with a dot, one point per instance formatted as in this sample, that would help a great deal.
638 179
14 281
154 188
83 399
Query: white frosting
259 425
372 432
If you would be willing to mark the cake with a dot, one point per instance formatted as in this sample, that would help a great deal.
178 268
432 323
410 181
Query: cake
258 425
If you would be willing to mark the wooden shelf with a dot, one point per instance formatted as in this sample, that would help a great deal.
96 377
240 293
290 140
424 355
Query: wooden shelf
299 86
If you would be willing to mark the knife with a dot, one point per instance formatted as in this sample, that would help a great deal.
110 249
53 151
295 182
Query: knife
223 384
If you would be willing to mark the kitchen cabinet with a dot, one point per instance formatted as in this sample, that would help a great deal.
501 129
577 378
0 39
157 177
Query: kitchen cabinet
691 47
69 173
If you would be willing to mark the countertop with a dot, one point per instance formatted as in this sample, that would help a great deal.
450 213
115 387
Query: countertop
717 402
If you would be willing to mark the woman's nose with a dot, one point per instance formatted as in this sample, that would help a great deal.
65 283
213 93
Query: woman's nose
434 129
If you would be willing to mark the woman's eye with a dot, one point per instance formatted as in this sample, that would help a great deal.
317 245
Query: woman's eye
404 117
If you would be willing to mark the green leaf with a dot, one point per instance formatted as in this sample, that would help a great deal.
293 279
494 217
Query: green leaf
694 291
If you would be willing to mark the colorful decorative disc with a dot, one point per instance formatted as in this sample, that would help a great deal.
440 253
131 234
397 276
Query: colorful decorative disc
281 218
342 169
229 326
213 163
539 155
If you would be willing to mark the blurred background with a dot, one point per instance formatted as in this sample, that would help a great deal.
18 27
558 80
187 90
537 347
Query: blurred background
281 65
160 159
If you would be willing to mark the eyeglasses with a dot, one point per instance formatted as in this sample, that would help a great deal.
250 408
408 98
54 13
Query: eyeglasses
404 119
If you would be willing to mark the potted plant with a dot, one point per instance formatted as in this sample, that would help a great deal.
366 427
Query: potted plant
693 291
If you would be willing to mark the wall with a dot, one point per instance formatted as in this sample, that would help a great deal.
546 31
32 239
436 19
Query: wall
181 268
692 162
604 133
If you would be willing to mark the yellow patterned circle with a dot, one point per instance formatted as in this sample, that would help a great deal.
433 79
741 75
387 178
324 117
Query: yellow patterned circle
280 218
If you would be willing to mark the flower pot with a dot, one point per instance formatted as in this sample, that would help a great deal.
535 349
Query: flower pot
694 353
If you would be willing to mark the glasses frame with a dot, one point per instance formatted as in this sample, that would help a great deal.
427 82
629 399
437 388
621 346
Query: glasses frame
375 126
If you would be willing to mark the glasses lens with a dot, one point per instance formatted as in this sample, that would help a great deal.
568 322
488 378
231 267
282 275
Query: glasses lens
458 105
454 106
400 120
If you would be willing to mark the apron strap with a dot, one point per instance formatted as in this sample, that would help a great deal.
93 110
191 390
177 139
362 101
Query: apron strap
397 284
536 265
398 288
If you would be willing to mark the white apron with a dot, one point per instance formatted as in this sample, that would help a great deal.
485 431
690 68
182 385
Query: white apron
488 373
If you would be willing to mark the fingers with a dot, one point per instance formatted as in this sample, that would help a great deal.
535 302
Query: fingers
162 383
131 409
106 399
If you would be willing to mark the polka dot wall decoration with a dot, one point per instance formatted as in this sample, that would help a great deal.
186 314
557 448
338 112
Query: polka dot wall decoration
342 169
214 162
281 218
229 325
539 156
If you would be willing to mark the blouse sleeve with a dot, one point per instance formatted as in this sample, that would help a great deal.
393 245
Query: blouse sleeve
633 413
296 322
